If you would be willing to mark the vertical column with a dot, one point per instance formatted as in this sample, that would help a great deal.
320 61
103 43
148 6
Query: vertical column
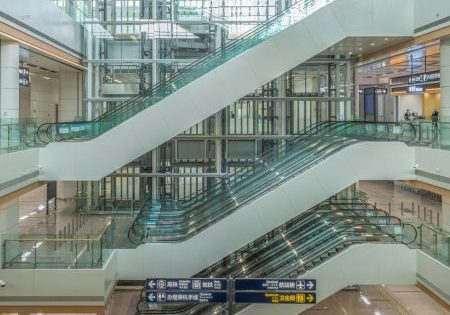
348 91
218 142
445 213
155 189
89 114
9 79
281 106
445 89
69 95
9 227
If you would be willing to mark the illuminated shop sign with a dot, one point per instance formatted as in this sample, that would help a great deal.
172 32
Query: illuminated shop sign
424 78
416 89
24 76
420 78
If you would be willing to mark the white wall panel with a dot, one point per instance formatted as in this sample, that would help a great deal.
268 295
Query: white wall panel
57 286
425 14
16 165
46 21
433 161
434 275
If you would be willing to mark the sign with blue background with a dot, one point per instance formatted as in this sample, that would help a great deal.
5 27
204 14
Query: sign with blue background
191 284
186 297
275 285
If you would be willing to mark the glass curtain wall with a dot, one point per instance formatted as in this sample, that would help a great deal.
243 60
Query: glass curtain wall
230 140
131 45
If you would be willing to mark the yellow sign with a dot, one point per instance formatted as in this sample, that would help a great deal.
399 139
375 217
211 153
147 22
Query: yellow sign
291 298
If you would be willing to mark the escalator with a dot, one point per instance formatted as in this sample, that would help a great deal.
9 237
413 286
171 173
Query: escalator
208 85
176 221
300 245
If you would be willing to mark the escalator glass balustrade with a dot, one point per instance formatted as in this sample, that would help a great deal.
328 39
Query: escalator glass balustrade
300 245
85 130
172 221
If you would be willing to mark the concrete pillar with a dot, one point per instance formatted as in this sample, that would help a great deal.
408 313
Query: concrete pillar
89 114
445 89
445 213
9 79
348 90
218 142
9 228
445 80
155 188
69 95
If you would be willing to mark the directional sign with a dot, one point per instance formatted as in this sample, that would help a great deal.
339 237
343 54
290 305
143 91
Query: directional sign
186 297
275 297
275 285
191 284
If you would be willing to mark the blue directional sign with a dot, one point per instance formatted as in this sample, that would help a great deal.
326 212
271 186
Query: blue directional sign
275 297
190 284
275 285
186 297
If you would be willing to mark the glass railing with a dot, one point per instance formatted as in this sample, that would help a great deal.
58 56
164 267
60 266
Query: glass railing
435 242
300 245
172 221
18 134
435 135
53 252
84 130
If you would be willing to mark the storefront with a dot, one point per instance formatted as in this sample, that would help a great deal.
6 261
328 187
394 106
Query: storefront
420 93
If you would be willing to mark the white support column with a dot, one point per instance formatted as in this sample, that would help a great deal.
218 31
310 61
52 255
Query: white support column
90 75
9 227
155 188
445 220
348 91
9 79
445 89
218 142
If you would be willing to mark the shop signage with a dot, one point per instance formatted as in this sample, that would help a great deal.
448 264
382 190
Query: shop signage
416 79
24 76
424 77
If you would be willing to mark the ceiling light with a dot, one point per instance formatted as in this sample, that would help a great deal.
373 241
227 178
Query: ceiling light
350 53
365 300
386 38
377 313
46 78
360 48
372 44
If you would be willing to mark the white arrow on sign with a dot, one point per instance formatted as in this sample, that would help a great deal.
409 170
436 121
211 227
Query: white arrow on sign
151 284
151 297
310 285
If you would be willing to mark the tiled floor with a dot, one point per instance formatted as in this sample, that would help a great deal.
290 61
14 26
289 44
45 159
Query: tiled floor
368 300
34 220
387 196
377 300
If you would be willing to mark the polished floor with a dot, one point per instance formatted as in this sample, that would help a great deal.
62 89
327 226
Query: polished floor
379 300
389 197
60 219
363 300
